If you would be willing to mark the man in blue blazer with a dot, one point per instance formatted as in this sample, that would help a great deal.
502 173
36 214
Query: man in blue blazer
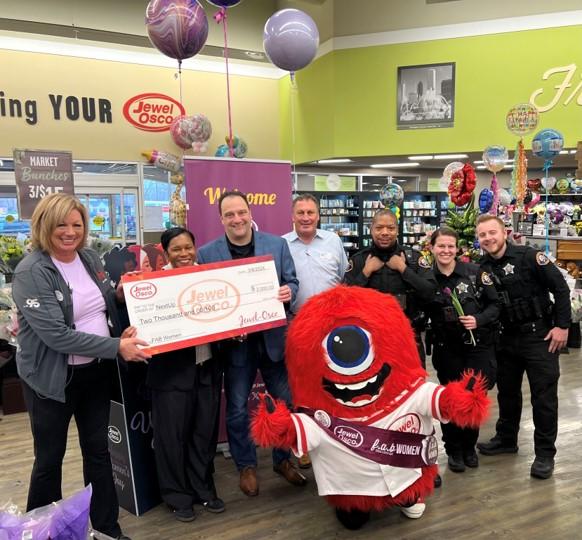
262 351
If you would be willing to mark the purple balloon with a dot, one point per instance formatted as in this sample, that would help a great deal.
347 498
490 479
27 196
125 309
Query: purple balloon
224 3
177 28
290 39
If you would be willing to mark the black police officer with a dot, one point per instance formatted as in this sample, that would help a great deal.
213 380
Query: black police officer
459 342
533 332
387 267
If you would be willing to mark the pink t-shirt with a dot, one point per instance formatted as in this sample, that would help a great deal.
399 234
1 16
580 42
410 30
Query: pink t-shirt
88 303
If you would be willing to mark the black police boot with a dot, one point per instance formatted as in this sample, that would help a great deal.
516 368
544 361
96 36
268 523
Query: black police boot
542 467
352 519
497 446
456 462
470 459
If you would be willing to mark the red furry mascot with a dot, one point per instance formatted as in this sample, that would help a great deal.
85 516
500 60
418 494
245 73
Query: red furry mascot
365 408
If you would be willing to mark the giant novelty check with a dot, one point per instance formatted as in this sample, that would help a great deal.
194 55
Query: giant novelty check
181 307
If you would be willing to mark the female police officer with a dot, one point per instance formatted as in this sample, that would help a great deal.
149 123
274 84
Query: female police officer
459 342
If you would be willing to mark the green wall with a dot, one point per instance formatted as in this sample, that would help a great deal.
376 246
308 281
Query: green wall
308 112
346 100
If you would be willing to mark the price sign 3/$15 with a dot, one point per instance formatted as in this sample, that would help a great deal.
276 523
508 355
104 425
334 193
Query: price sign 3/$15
40 173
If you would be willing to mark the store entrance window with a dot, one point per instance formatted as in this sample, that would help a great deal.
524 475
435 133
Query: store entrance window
9 218
112 213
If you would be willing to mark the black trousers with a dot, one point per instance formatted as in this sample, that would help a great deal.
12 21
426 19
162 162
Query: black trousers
451 358
185 437
87 399
528 353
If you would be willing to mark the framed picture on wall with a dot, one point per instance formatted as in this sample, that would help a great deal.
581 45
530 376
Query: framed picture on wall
426 96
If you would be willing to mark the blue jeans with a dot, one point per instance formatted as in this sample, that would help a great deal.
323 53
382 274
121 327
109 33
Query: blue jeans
238 382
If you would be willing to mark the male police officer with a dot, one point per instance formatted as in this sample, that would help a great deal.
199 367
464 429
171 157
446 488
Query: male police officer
533 333
389 268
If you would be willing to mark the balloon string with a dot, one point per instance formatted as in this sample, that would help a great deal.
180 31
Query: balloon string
495 190
180 79
180 89
292 98
220 16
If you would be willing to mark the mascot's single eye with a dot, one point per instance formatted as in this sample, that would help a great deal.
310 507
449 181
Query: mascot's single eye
348 349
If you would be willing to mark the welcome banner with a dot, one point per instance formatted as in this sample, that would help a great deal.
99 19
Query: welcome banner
267 185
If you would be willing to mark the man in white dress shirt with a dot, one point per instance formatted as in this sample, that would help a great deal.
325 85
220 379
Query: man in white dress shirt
319 257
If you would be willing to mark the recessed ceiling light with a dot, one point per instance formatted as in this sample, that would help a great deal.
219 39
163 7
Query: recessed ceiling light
338 160
394 165
508 166
255 55
564 152
419 158
480 161
451 156
573 151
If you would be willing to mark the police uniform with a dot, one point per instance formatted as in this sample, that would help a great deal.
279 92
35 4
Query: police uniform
408 288
524 278
452 349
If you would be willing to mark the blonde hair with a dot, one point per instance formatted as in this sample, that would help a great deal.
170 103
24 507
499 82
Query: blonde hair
47 215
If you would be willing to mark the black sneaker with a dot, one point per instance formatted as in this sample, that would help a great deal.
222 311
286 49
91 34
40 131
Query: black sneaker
438 481
496 446
456 463
215 506
102 536
542 467
185 515
470 459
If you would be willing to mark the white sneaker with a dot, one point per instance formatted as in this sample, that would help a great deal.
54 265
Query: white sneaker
415 511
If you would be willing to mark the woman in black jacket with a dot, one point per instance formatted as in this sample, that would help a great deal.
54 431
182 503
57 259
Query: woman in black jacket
460 341
186 387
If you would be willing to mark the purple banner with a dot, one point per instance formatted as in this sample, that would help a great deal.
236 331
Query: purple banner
267 185
40 173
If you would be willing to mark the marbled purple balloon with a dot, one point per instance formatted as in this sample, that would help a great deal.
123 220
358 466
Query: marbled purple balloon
290 39
177 28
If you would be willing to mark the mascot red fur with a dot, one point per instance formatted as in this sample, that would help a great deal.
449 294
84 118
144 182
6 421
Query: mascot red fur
365 410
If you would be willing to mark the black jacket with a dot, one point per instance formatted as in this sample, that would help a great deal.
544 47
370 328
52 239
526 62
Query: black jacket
409 288
475 291
524 278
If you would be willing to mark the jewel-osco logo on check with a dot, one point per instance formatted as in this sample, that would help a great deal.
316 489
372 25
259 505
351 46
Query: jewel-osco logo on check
143 290
152 112
209 300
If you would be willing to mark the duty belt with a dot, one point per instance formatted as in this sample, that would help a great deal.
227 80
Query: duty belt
528 327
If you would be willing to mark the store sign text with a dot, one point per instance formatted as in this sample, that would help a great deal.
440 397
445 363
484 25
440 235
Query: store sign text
89 109
560 89
261 199
152 112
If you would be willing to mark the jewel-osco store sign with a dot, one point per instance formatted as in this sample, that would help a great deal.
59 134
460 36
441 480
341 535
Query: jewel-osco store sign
152 112
147 112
